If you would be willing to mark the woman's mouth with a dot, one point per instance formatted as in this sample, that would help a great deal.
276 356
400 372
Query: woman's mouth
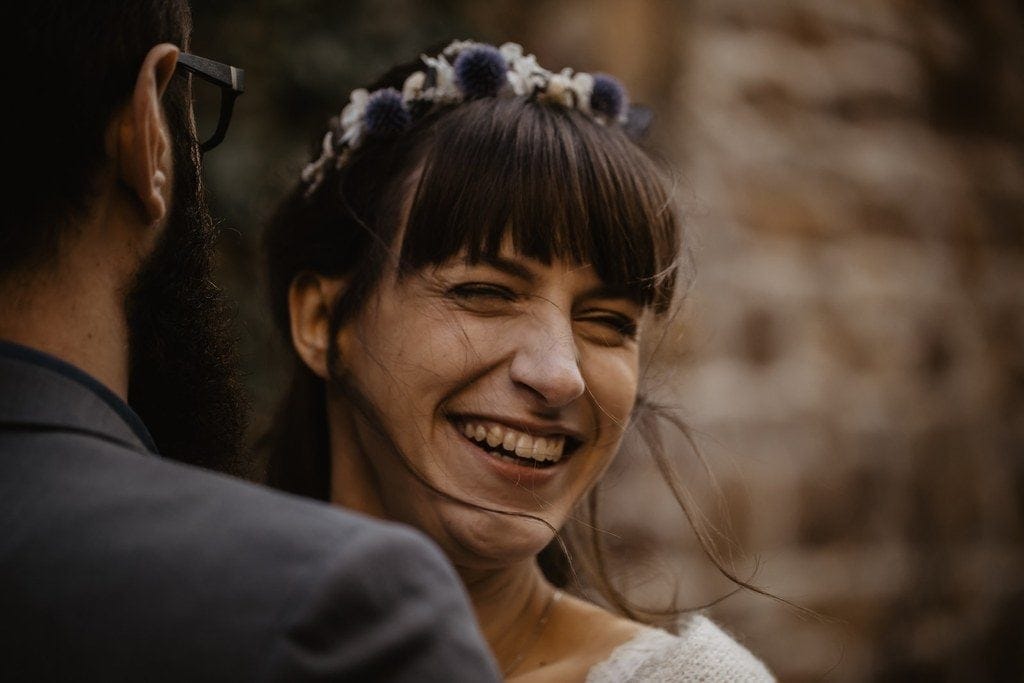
515 445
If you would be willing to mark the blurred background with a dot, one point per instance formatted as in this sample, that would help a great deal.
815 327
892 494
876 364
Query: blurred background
851 353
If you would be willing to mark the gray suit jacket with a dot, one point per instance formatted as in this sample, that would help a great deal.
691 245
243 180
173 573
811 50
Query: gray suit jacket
116 565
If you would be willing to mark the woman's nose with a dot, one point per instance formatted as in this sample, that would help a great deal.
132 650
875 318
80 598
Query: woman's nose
548 365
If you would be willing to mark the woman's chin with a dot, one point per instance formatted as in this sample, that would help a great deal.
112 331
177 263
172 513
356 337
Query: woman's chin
482 540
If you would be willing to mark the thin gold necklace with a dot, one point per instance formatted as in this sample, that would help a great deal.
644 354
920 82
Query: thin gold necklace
537 630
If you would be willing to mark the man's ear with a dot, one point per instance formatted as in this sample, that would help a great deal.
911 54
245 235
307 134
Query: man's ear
311 300
142 144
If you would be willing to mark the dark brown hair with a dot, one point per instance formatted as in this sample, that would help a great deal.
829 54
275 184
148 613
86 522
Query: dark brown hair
556 182
72 64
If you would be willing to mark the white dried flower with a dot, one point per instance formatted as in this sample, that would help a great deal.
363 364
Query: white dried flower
526 76
457 46
412 89
519 84
352 117
583 86
511 52
355 108
444 90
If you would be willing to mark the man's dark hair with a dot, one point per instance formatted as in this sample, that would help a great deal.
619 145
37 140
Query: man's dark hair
73 65
70 66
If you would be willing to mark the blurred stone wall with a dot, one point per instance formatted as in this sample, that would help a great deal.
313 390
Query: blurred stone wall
851 353
853 347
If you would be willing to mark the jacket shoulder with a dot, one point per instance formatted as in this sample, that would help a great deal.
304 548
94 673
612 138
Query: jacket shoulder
252 582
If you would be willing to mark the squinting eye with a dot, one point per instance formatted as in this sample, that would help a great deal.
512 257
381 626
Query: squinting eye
615 328
482 291
626 326
483 298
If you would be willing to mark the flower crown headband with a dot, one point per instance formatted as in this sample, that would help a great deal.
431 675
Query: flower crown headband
468 70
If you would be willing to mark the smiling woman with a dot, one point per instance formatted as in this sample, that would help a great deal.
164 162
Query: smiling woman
503 390
465 272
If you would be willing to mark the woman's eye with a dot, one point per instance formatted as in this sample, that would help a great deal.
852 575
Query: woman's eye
611 328
475 290
482 294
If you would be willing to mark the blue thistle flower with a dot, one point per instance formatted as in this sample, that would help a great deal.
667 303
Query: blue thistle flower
608 97
386 113
480 71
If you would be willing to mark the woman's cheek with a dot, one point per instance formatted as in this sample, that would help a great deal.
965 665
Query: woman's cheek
483 339
612 376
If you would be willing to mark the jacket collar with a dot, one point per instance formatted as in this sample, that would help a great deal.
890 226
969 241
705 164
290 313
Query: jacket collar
40 391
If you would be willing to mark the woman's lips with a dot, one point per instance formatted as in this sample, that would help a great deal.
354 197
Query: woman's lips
522 471
505 440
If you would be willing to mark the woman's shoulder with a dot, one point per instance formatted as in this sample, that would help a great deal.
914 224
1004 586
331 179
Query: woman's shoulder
701 651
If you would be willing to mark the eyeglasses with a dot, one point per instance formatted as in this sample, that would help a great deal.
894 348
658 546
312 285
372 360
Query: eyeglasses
229 79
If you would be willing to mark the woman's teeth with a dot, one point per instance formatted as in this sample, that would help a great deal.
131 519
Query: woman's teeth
539 448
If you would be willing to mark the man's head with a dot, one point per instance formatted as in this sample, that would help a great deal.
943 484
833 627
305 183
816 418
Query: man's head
72 66
78 76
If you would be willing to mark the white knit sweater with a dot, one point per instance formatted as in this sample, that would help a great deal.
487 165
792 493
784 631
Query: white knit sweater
701 652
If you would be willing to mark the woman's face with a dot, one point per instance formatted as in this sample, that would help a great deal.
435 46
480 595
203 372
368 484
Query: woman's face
506 383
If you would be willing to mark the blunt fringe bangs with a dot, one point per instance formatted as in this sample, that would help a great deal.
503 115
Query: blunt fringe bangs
552 182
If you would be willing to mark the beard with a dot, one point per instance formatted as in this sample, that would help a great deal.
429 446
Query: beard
184 381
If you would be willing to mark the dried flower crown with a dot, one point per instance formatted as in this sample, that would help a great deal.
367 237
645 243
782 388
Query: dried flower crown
468 70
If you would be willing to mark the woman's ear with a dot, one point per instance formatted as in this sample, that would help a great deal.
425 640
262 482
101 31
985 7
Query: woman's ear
311 300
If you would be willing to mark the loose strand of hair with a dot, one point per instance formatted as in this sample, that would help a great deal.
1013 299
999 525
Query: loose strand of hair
706 539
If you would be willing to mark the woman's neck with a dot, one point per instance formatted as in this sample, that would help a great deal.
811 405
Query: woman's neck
511 605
